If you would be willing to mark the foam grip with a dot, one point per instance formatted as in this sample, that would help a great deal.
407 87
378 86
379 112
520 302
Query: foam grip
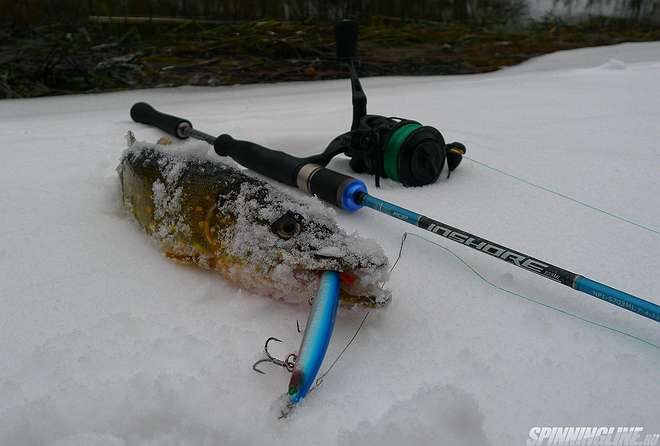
274 164
144 113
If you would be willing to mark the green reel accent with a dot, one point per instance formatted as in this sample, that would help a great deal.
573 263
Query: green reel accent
391 155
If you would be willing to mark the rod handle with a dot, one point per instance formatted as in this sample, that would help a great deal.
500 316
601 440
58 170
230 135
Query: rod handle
274 164
332 187
144 113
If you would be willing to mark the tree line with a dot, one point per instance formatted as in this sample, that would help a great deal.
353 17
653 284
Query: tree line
323 10
479 11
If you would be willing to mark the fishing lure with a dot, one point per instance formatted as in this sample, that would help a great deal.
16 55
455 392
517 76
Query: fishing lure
202 211
305 365
316 338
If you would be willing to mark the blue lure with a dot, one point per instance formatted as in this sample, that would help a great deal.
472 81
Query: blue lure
316 338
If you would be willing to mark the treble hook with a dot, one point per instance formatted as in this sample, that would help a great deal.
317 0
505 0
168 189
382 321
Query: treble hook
289 363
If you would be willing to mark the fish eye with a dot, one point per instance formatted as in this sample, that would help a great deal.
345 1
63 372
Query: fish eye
287 226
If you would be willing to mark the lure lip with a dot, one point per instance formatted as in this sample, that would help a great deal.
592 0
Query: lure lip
316 338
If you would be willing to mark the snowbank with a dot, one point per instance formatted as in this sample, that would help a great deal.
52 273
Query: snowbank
105 342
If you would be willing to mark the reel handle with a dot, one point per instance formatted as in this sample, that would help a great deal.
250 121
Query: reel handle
346 38
145 114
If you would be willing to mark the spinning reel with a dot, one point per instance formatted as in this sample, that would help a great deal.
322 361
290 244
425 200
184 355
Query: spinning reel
387 147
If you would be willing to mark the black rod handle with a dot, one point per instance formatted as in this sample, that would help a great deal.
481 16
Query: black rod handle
144 113
274 164
330 186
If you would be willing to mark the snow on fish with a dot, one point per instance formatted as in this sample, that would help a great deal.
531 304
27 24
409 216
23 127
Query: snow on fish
213 215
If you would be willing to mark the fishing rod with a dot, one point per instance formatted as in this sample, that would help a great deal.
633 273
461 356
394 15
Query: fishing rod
351 194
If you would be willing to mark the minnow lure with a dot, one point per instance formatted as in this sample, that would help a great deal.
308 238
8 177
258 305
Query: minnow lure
202 211
316 337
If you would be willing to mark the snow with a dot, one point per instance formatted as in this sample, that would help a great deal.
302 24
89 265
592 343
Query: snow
103 341
421 419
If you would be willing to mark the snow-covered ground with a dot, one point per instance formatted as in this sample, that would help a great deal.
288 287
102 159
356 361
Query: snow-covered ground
103 341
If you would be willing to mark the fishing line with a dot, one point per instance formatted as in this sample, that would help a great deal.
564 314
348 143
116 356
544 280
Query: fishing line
566 197
319 380
527 298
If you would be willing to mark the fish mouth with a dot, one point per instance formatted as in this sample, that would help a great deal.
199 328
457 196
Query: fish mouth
361 283
373 300
363 290
357 288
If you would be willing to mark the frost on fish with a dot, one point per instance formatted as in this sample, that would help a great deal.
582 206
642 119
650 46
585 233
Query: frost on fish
203 211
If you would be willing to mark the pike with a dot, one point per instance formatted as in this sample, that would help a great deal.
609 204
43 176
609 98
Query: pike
351 194
207 213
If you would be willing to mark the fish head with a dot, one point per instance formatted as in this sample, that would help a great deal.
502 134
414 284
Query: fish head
291 240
